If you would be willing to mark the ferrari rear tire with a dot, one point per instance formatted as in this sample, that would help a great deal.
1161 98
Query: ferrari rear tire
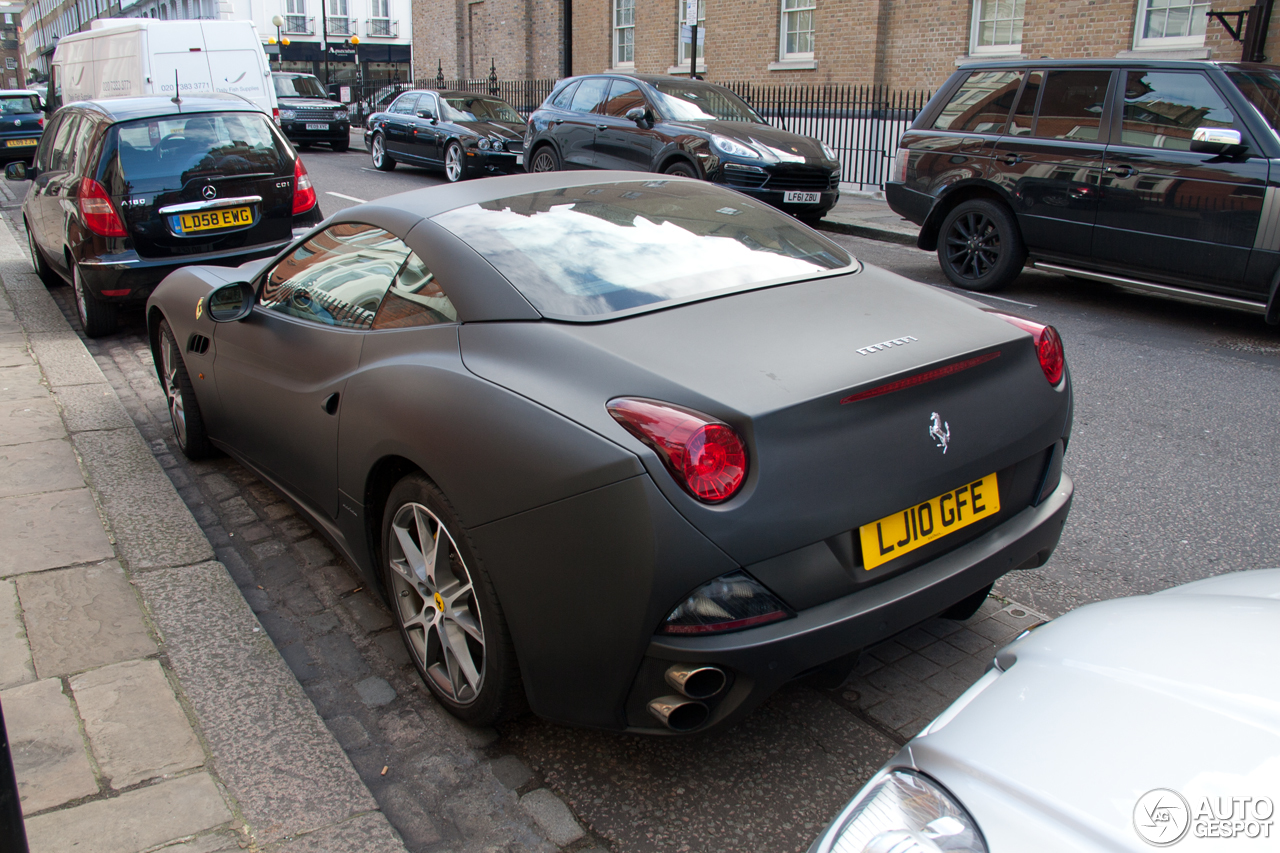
97 316
43 270
446 606
382 161
966 607
980 247
184 409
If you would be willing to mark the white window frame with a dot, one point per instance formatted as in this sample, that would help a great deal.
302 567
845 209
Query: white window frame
810 6
618 6
1140 42
975 30
682 58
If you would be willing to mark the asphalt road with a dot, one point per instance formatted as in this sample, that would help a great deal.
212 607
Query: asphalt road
1174 454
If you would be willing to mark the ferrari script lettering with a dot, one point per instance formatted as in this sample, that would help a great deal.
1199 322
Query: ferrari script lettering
896 342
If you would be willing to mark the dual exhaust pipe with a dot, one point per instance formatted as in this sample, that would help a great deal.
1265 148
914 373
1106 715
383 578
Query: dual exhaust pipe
686 712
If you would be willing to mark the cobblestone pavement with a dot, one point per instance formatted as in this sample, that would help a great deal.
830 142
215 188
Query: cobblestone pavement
770 783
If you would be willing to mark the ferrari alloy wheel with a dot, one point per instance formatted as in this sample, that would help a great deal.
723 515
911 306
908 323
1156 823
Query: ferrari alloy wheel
447 611
97 317
378 151
453 162
980 247
184 410
43 270
545 160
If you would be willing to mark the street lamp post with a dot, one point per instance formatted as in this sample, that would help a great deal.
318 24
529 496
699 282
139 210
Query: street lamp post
278 22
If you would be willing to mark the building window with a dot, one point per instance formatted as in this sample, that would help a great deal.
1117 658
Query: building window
797 28
624 32
997 27
1170 23
683 36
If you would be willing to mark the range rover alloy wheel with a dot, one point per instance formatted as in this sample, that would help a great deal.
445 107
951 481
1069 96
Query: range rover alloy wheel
980 247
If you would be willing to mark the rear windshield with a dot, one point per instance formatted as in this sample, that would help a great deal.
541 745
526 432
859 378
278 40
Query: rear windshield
164 153
471 108
302 86
585 252
18 105
1262 88
691 102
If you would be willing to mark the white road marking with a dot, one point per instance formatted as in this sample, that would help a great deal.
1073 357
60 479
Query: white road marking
347 197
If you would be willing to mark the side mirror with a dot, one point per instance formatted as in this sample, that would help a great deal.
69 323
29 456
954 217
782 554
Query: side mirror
333 96
1217 140
17 172
427 114
638 114
230 302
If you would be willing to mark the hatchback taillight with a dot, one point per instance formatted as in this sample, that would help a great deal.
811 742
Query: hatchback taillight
97 211
304 194
706 457
275 115
1048 345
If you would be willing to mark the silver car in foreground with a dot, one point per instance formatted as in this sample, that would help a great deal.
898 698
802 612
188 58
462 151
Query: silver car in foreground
1143 722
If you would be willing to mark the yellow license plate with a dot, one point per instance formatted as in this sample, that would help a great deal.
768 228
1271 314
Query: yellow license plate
917 526
208 220
21 143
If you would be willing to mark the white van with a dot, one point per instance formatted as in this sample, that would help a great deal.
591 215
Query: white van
122 57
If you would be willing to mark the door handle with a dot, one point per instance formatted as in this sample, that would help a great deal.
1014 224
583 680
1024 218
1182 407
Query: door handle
330 404
602 127
1125 171
1010 159
557 121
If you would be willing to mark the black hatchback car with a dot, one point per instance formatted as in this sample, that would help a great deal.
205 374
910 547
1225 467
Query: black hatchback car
466 134
126 190
685 127
1157 176
307 115
21 125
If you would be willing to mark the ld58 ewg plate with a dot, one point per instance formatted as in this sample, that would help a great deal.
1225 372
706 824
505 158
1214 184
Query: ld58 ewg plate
917 526
208 220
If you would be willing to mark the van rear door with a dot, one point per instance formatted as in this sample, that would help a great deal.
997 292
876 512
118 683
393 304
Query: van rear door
178 50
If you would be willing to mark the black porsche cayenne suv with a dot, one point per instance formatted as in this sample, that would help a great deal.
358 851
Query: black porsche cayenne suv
1157 176
126 190
685 127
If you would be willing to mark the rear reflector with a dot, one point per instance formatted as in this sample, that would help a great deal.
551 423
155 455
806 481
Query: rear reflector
729 603
921 378
1048 345
97 211
123 292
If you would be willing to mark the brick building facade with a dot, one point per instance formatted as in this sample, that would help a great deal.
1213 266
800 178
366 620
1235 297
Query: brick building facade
523 39
904 44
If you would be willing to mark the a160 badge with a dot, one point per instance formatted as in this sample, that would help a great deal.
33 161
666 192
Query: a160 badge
917 526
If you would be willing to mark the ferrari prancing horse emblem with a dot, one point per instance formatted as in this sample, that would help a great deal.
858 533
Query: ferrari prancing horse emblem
939 431
199 307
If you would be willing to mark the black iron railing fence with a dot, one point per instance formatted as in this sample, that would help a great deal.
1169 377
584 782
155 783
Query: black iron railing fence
862 124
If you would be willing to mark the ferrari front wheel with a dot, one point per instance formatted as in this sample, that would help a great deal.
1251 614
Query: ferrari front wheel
446 607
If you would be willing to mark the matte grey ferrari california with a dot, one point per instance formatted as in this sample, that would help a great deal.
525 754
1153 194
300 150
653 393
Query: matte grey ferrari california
633 450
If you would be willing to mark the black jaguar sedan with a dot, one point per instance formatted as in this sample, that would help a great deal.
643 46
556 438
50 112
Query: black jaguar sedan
636 450
125 190
680 127
465 134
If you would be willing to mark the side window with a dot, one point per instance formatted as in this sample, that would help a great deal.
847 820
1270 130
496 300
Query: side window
562 100
415 299
81 152
982 103
427 102
1162 109
1071 105
1025 115
404 104
44 154
589 95
338 277
62 143
623 95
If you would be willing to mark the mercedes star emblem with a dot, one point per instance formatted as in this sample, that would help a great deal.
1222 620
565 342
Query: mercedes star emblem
209 191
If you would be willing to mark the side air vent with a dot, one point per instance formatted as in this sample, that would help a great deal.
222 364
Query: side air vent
198 344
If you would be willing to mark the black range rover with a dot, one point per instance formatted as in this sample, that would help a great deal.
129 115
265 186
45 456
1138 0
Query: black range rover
124 191
680 127
1158 176
307 115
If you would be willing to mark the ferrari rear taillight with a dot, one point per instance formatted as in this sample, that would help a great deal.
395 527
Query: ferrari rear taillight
706 457
97 211
304 194
1048 345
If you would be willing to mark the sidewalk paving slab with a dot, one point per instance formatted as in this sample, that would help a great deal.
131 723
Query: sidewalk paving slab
48 753
39 466
32 419
15 658
50 531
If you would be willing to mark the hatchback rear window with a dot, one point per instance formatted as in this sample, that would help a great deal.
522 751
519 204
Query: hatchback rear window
18 105
164 153
585 252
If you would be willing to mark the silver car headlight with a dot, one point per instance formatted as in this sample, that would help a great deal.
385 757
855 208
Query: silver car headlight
907 812
288 115
725 145
483 144
827 150
497 145
340 115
